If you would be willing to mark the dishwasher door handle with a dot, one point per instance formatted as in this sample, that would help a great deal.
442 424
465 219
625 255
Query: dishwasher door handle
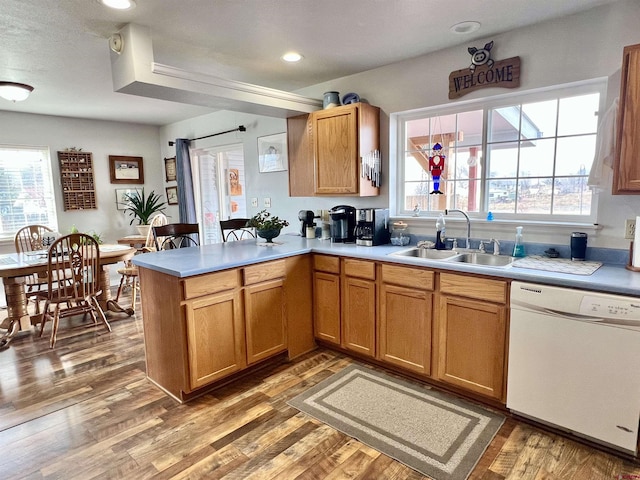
555 313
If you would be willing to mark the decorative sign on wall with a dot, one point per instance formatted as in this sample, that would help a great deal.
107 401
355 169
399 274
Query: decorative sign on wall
484 72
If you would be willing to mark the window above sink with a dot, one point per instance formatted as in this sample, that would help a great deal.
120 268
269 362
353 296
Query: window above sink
524 157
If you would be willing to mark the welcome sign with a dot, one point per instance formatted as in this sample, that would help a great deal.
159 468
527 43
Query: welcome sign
484 72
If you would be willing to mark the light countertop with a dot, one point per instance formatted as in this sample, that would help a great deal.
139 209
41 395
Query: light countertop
187 262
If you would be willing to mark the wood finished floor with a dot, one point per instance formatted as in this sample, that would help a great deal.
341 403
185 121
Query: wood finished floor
85 410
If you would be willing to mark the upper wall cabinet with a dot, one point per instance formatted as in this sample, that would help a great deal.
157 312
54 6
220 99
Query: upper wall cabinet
326 147
626 172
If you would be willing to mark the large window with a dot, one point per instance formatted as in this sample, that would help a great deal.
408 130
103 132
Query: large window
525 157
26 189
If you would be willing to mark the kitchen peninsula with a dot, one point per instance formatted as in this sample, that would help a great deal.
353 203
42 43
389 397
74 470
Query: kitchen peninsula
214 311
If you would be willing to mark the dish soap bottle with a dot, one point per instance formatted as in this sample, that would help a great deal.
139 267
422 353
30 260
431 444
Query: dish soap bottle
518 247
440 235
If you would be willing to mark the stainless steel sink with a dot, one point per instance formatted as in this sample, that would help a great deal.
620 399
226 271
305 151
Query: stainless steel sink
484 259
449 256
428 253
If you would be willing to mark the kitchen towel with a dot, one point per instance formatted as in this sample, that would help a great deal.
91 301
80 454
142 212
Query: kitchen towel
635 258
605 149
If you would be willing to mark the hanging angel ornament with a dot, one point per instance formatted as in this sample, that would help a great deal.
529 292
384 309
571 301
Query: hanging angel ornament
436 166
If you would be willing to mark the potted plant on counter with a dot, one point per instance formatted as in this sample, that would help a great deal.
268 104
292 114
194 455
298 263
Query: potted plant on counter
266 225
142 208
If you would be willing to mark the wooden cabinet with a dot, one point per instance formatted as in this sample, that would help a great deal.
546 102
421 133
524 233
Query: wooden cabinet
76 177
326 298
201 329
264 301
325 150
626 171
472 321
215 337
405 320
359 306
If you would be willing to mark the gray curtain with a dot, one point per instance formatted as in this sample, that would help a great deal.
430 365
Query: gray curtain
186 198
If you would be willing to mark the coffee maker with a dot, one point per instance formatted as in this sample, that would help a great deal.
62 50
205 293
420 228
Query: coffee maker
306 217
343 224
372 226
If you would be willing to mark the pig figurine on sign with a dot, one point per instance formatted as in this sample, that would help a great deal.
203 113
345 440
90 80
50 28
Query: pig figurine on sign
480 56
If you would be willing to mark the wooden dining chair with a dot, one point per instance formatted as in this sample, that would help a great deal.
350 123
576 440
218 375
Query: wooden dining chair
236 229
30 239
129 273
176 235
74 261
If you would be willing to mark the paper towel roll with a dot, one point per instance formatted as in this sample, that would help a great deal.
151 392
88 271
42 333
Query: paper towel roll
635 262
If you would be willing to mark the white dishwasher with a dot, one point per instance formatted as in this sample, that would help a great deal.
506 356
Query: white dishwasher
574 362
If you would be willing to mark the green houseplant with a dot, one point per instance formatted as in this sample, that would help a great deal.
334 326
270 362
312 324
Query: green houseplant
267 226
141 207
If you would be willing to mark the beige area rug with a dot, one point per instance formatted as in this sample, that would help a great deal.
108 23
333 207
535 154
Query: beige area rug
432 432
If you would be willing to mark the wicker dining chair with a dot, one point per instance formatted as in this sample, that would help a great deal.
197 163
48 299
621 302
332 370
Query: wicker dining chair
74 261
129 273
236 229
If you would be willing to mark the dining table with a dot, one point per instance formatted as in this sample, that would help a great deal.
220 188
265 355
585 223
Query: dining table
14 267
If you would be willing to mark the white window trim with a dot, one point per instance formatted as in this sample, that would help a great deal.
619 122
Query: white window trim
8 239
398 120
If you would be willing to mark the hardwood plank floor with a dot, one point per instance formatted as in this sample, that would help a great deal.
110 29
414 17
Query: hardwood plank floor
85 410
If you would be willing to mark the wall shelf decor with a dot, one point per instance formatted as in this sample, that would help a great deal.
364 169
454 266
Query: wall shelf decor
76 176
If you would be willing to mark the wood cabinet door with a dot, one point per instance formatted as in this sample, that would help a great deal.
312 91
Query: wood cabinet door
326 310
359 316
405 327
300 153
215 337
471 345
626 172
265 320
335 139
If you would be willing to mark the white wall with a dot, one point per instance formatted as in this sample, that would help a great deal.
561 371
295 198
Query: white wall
575 48
101 139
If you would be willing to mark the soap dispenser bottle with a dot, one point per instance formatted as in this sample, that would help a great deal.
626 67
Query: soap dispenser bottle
518 247
440 233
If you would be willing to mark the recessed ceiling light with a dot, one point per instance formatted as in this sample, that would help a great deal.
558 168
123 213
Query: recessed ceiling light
119 4
465 27
291 57
15 92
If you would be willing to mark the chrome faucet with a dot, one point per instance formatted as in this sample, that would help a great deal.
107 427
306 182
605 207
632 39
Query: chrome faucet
468 243
496 246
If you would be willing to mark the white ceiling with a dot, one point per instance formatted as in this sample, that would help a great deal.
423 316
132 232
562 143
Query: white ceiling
60 46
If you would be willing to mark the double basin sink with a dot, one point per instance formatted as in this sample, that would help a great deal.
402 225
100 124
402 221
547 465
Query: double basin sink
459 256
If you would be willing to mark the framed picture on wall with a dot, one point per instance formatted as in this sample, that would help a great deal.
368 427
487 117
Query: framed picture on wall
172 195
126 169
170 169
272 153
121 196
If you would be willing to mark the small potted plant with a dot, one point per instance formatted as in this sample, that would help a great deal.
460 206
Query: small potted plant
142 208
266 225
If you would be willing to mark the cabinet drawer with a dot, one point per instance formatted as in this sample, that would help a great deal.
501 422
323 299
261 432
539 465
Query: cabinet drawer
408 277
264 271
474 287
360 269
327 264
210 283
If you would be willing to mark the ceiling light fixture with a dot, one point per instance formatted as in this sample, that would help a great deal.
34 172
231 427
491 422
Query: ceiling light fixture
119 4
463 28
291 57
15 92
